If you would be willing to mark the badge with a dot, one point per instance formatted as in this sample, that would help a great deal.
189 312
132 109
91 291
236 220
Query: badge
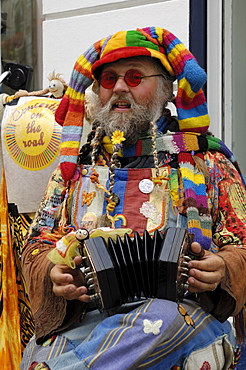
146 186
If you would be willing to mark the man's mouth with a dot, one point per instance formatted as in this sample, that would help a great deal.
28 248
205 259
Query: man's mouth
121 105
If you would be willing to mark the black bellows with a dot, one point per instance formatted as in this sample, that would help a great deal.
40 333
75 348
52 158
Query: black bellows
135 268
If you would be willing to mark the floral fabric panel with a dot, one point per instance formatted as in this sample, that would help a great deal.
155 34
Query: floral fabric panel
229 202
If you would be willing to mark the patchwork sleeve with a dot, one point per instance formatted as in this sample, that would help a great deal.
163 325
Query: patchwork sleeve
51 313
233 283
228 203
229 226
230 232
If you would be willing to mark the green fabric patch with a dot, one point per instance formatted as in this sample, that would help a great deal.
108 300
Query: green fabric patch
135 38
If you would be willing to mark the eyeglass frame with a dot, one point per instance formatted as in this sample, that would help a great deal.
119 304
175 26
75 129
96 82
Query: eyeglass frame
124 77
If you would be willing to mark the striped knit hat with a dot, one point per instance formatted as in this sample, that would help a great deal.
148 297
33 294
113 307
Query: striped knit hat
152 42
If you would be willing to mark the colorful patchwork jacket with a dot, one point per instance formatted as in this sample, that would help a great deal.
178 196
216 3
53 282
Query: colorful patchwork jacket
209 204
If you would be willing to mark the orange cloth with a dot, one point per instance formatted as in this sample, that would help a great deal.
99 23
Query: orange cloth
10 342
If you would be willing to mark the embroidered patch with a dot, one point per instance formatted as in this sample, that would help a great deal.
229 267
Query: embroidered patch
40 366
205 366
149 210
87 198
152 327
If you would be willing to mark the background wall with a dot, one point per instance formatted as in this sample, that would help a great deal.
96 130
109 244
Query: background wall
70 27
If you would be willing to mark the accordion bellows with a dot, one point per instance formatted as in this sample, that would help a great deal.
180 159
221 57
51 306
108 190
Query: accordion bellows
133 269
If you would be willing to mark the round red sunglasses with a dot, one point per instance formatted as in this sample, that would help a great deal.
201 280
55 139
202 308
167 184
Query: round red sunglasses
132 78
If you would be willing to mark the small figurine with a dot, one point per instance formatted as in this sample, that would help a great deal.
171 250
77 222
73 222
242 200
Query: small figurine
57 85
68 247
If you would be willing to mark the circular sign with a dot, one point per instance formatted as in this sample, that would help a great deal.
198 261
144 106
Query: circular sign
31 135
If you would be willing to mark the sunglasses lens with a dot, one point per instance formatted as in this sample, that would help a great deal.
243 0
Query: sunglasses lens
133 78
108 79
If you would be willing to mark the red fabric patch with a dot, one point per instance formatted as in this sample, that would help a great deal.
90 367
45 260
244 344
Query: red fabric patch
139 148
61 111
205 366
67 170
134 200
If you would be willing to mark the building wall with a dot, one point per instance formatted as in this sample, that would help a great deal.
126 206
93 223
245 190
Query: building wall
70 27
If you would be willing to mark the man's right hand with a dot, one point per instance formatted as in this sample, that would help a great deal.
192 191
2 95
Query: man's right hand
69 283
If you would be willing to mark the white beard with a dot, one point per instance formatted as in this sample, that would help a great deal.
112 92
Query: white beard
132 123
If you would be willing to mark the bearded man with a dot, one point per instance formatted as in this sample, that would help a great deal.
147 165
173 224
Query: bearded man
140 170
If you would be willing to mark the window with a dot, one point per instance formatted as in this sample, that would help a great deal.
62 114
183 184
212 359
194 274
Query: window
19 37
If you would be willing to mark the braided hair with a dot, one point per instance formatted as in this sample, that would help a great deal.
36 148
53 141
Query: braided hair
84 153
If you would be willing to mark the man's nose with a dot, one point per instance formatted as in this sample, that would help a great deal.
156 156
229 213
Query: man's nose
121 85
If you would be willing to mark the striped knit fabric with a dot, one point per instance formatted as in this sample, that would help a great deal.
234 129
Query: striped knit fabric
150 41
196 203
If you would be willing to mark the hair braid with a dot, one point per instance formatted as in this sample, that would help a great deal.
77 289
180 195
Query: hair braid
86 148
96 144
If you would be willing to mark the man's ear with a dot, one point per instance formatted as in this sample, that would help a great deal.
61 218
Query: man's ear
169 98
91 101
95 87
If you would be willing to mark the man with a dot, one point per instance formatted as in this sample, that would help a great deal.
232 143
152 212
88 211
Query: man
152 171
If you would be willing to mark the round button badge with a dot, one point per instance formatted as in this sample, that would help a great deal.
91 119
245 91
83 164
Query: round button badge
146 186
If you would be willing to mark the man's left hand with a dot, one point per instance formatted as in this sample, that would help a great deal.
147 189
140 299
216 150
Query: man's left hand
206 273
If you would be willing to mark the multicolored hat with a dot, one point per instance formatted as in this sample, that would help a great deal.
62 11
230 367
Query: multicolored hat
152 42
